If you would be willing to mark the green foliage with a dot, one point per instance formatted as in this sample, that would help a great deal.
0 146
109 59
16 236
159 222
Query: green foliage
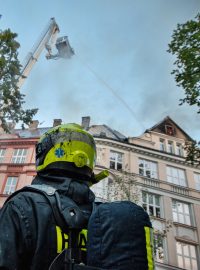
11 100
185 45
193 152
124 187
158 245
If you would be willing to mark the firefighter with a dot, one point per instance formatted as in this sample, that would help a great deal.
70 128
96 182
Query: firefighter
30 236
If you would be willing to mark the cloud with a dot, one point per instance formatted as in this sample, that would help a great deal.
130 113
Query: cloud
124 42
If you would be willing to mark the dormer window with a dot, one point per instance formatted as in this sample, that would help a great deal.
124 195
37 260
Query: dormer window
169 130
170 147
179 149
162 145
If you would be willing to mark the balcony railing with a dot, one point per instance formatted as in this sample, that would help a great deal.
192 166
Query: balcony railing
180 190
164 185
151 182
159 184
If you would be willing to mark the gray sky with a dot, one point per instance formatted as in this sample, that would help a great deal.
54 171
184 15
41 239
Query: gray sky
120 46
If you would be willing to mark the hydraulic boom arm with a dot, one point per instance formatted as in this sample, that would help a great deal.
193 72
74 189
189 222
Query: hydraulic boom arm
47 40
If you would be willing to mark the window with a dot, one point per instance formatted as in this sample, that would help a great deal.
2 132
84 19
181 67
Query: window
170 147
100 155
176 176
2 153
162 145
10 185
179 149
101 189
197 180
151 204
181 212
148 168
169 130
19 155
116 160
186 255
159 247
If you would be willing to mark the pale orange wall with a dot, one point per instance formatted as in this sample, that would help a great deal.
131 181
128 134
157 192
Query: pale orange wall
167 204
2 181
8 154
134 163
25 171
156 138
196 209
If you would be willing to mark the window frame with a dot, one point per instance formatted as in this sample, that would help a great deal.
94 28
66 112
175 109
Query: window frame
147 167
182 216
100 153
169 130
10 188
147 205
179 149
171 178
101 189
114 159
197 181
17 157
170 147
2 154
159 247
162 145
181 253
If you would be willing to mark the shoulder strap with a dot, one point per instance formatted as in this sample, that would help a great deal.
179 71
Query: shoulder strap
51 195
68 216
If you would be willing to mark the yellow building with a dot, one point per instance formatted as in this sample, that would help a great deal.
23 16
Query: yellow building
168 187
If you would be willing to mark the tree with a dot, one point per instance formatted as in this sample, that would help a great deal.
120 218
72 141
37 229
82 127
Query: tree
185 45
123 186
11 100
193 152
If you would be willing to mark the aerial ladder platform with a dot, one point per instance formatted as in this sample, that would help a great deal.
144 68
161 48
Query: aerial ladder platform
49 41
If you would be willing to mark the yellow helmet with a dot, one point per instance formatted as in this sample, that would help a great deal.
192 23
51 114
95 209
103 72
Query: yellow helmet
66 148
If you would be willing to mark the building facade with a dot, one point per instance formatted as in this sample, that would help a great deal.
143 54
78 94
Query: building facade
150 170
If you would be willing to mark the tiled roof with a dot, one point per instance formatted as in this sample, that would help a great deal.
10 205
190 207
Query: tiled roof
31 133
100 131
167 118
104 131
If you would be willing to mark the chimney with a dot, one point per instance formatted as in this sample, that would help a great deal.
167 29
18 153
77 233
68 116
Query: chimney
85 122
34 124
57 122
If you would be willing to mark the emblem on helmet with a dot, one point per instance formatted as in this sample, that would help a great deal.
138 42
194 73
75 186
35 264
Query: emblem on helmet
59 152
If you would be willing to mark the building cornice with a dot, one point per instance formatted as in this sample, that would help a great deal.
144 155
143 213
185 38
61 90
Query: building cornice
194 199
18 168
17 164
185 193
17 172
186 240
19 142
165 266
167 137
149 152
177 224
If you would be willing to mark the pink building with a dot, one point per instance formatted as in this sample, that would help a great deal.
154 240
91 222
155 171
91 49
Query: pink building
17 158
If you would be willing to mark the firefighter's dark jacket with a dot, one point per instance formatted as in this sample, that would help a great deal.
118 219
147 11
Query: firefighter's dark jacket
28 233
